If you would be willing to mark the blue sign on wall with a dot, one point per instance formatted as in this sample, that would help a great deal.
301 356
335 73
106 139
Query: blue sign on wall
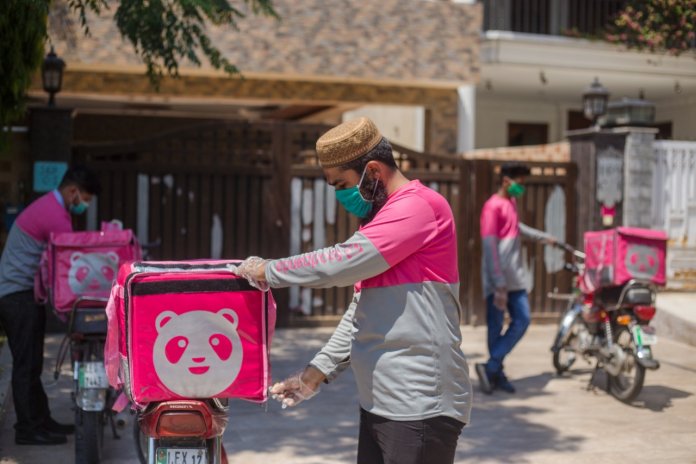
48 174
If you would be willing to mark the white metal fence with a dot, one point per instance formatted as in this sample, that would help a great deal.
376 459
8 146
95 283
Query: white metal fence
674 205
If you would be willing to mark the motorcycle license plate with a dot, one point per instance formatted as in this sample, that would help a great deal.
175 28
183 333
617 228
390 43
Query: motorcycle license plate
644 336
182 456
92 375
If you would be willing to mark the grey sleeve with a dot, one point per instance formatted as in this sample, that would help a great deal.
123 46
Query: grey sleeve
334 357
492 266
341 265
535 234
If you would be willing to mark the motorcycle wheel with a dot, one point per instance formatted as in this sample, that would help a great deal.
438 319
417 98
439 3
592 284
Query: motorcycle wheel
564 357
628 384
140 442
89 436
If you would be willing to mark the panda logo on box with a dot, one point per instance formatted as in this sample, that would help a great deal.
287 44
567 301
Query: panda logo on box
92 273
197 354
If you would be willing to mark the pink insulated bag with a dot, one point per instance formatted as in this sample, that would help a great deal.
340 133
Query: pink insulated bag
615 256
188 330
82 264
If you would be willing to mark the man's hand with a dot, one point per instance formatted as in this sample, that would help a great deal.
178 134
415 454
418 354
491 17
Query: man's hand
298 387
253 269
500 298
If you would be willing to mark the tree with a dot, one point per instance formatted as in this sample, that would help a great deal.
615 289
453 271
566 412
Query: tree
656 25
162 32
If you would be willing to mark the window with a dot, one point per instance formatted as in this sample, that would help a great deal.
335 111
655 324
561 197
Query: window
527 133
577 120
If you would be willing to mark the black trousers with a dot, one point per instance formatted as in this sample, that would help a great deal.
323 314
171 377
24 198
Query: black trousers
25 325
429 441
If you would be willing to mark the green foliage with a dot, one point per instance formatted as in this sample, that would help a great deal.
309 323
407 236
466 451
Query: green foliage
23 30
163 33
657 25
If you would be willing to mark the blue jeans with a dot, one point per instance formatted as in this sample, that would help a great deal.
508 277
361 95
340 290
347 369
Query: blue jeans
499 343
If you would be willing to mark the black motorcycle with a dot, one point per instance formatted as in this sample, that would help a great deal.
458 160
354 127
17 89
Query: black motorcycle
92 395
610 326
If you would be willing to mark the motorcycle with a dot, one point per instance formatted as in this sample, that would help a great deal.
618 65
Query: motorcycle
92 396
610 325
182 432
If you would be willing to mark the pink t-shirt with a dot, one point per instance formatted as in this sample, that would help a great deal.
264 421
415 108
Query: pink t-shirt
415 234
26 241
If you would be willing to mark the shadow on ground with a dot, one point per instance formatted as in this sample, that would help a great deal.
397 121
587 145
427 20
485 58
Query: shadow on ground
503 430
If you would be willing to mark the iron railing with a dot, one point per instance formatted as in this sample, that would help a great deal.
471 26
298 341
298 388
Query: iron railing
551 17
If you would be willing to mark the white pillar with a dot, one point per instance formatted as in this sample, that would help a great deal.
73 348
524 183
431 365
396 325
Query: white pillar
466 117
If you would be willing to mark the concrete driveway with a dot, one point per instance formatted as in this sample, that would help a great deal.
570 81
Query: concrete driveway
550 419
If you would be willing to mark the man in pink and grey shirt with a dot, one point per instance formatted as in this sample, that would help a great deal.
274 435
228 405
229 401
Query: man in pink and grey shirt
401 332
23 320
504 277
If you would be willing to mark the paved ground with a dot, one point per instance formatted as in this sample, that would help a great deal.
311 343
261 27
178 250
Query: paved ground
550 419
676 316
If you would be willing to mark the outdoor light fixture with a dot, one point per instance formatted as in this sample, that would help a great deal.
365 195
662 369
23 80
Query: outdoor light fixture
594 101
52 75
629 112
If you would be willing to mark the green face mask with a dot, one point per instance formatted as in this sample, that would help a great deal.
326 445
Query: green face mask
515 190
353 201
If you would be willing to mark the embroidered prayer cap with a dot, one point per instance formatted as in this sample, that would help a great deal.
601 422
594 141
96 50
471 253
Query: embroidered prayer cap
347 142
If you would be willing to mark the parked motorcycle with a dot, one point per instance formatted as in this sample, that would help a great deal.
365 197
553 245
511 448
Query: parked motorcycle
610 325
91 393
182 432
183 338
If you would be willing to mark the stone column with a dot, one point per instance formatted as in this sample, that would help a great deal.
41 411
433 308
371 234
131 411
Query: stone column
614 171
639 158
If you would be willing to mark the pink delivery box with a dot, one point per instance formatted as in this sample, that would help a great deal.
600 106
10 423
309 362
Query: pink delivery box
615 256
82 264
188 330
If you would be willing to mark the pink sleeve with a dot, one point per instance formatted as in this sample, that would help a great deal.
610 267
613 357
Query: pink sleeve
489 221
401 228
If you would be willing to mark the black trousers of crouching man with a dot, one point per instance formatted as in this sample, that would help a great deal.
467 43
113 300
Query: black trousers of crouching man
429 441
24 323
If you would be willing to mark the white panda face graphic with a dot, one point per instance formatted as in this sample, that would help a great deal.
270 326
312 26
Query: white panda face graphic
92 273
198 353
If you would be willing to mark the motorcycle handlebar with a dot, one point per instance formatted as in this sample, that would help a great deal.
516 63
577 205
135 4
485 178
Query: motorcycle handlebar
570 249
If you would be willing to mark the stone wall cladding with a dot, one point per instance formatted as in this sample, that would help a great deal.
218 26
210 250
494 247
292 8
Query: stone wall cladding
387 39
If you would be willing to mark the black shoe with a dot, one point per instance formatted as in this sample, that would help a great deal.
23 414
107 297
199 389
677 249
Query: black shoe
40 437
504 384
56 427
484 380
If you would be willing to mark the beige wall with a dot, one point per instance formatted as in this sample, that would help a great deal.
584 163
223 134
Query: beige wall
682 113
404 125
494 114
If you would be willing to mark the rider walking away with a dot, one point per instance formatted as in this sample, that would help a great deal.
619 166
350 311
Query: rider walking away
504 277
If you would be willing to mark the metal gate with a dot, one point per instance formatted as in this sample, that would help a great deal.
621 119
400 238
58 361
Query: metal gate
234 189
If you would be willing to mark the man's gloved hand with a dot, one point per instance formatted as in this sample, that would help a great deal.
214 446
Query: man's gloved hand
297 388
253 269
